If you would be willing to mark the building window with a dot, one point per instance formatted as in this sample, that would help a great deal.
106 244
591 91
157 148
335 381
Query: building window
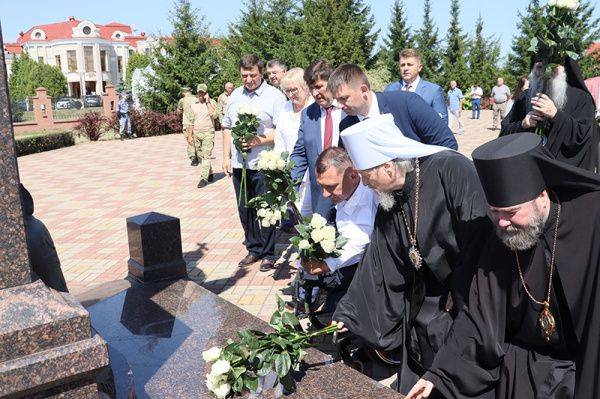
57 61
118 36
88 54
130 52
40 59
87 30
103 60
38 35
72 60
120 64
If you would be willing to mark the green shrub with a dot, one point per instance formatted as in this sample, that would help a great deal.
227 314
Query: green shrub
35 144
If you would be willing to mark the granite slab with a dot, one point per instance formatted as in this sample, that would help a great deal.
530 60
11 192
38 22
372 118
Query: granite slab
161 330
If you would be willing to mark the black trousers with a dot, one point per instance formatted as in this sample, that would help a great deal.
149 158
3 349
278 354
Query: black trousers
259 241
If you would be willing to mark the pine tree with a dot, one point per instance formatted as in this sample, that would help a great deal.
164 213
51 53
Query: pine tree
398 39
519 61
339 31
428 44
455 60
484 54
185 60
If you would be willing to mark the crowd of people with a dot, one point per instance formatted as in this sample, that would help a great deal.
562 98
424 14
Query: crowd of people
478 277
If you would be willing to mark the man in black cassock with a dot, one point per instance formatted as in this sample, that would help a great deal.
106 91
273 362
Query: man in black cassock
533 320
408 287
568 112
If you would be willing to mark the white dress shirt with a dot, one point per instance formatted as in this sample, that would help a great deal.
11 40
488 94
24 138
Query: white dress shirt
373 111
354 220
413 85
336 117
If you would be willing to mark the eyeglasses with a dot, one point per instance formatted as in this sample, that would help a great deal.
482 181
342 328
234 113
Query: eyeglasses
292 90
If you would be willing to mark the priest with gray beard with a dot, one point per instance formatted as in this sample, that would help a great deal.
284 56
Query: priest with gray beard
567 112
429 228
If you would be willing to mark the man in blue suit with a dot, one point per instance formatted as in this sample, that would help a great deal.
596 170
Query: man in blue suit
416 120
410 67
319 130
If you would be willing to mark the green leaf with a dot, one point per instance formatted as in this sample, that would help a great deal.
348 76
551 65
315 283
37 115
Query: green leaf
280 304
275 319
573 55
265 369
289 319
295 240
282 364
237 371
251 383
238 385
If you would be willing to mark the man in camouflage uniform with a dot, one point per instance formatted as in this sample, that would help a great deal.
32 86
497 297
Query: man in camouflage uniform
200 131
223 98
183 106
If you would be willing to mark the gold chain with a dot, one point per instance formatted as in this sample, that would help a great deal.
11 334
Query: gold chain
553 253
413 236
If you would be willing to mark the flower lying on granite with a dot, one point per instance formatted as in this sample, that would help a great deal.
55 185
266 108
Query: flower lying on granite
212 354
241 364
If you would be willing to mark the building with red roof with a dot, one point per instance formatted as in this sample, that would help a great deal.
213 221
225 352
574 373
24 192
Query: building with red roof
90 55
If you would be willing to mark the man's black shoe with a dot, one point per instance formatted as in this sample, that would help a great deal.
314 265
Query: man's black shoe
211 178
248 260
266 265
288 290
202 183
194 162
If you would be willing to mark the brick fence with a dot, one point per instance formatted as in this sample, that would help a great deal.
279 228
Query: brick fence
42 111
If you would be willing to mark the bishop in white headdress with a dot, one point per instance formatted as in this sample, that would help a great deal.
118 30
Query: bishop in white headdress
429 229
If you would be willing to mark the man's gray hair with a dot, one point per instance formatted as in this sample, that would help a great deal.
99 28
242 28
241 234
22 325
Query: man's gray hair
347 74
404 165
277 62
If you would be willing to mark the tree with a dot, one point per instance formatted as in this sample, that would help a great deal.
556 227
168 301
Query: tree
398 39
182 60
339 31
590 64
27 75
428 44
454 65
136 60
587 28
484 54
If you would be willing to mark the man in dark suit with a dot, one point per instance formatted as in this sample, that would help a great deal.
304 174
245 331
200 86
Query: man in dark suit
319 130
410 67
412 115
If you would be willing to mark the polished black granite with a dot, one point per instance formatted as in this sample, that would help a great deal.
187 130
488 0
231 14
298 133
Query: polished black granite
157 333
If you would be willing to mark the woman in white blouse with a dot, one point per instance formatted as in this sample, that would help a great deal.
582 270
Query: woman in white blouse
288 123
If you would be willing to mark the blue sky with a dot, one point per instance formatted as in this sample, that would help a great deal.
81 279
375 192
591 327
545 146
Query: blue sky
153 16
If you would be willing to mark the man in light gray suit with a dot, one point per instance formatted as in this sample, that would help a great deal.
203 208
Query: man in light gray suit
410 67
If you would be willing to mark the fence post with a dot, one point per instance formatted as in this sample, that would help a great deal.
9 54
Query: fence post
42 108
110 100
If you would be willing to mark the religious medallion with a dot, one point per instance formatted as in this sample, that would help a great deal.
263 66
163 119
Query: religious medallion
547 322
415 257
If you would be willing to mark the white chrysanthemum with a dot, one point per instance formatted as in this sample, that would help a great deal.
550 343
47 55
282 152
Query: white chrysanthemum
317 221
329 233
317 235
212 354
304 244
328 246
222 390
220 367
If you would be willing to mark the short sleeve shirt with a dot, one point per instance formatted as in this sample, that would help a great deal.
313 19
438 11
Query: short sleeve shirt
501 94
454 97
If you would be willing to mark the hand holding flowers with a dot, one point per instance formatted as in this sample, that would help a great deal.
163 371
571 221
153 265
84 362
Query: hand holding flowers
316 240
243 132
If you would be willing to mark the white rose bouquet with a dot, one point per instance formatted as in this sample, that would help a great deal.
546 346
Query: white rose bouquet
244 130
243 366
279 188
317 240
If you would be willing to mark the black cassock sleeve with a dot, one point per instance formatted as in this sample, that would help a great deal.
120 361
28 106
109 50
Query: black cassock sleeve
469 364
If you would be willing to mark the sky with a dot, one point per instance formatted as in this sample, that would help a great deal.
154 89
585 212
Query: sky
152 16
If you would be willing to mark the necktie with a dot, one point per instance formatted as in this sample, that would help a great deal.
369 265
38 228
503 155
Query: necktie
407 87
328 136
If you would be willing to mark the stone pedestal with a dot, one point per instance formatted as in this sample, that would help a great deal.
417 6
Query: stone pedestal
155 248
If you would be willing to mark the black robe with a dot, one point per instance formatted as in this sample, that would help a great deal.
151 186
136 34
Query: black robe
496 349
388 293
572 136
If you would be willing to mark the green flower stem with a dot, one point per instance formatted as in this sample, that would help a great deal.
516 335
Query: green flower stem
327 330
243 184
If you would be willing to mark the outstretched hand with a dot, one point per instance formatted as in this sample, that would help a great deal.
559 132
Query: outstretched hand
421 390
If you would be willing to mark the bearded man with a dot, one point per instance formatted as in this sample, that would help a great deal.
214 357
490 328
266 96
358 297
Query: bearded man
567 113
533 319
428 232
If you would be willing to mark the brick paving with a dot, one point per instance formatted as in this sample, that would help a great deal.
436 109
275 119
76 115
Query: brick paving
84 194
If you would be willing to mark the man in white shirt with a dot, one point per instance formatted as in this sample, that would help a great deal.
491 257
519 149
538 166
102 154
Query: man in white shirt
355 205
476 94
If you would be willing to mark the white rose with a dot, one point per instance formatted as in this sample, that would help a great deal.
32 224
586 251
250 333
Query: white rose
212 354
243 109
328 246
265 222
317 221
262 212
329 233
220 367
212 380
280 164
277 216
317 235
304 244
222 390
272 165
574 4
552 3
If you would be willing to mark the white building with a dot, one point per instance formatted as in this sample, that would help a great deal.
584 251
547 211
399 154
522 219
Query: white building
89 55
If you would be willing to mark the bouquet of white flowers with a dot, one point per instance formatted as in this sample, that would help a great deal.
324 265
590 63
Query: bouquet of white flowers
279 188
244 130
240 366
317 240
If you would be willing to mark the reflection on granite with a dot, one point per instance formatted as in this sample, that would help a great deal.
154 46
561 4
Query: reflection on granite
164 351
155 247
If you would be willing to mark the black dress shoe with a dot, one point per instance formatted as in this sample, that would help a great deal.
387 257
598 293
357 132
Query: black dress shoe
266 265
288 290
211 178
248 260
194 162
202 183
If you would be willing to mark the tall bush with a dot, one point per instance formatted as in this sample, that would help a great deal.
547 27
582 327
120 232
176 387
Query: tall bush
90 125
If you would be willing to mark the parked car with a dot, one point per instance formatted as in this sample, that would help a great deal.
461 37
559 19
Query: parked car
92 100
68 103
